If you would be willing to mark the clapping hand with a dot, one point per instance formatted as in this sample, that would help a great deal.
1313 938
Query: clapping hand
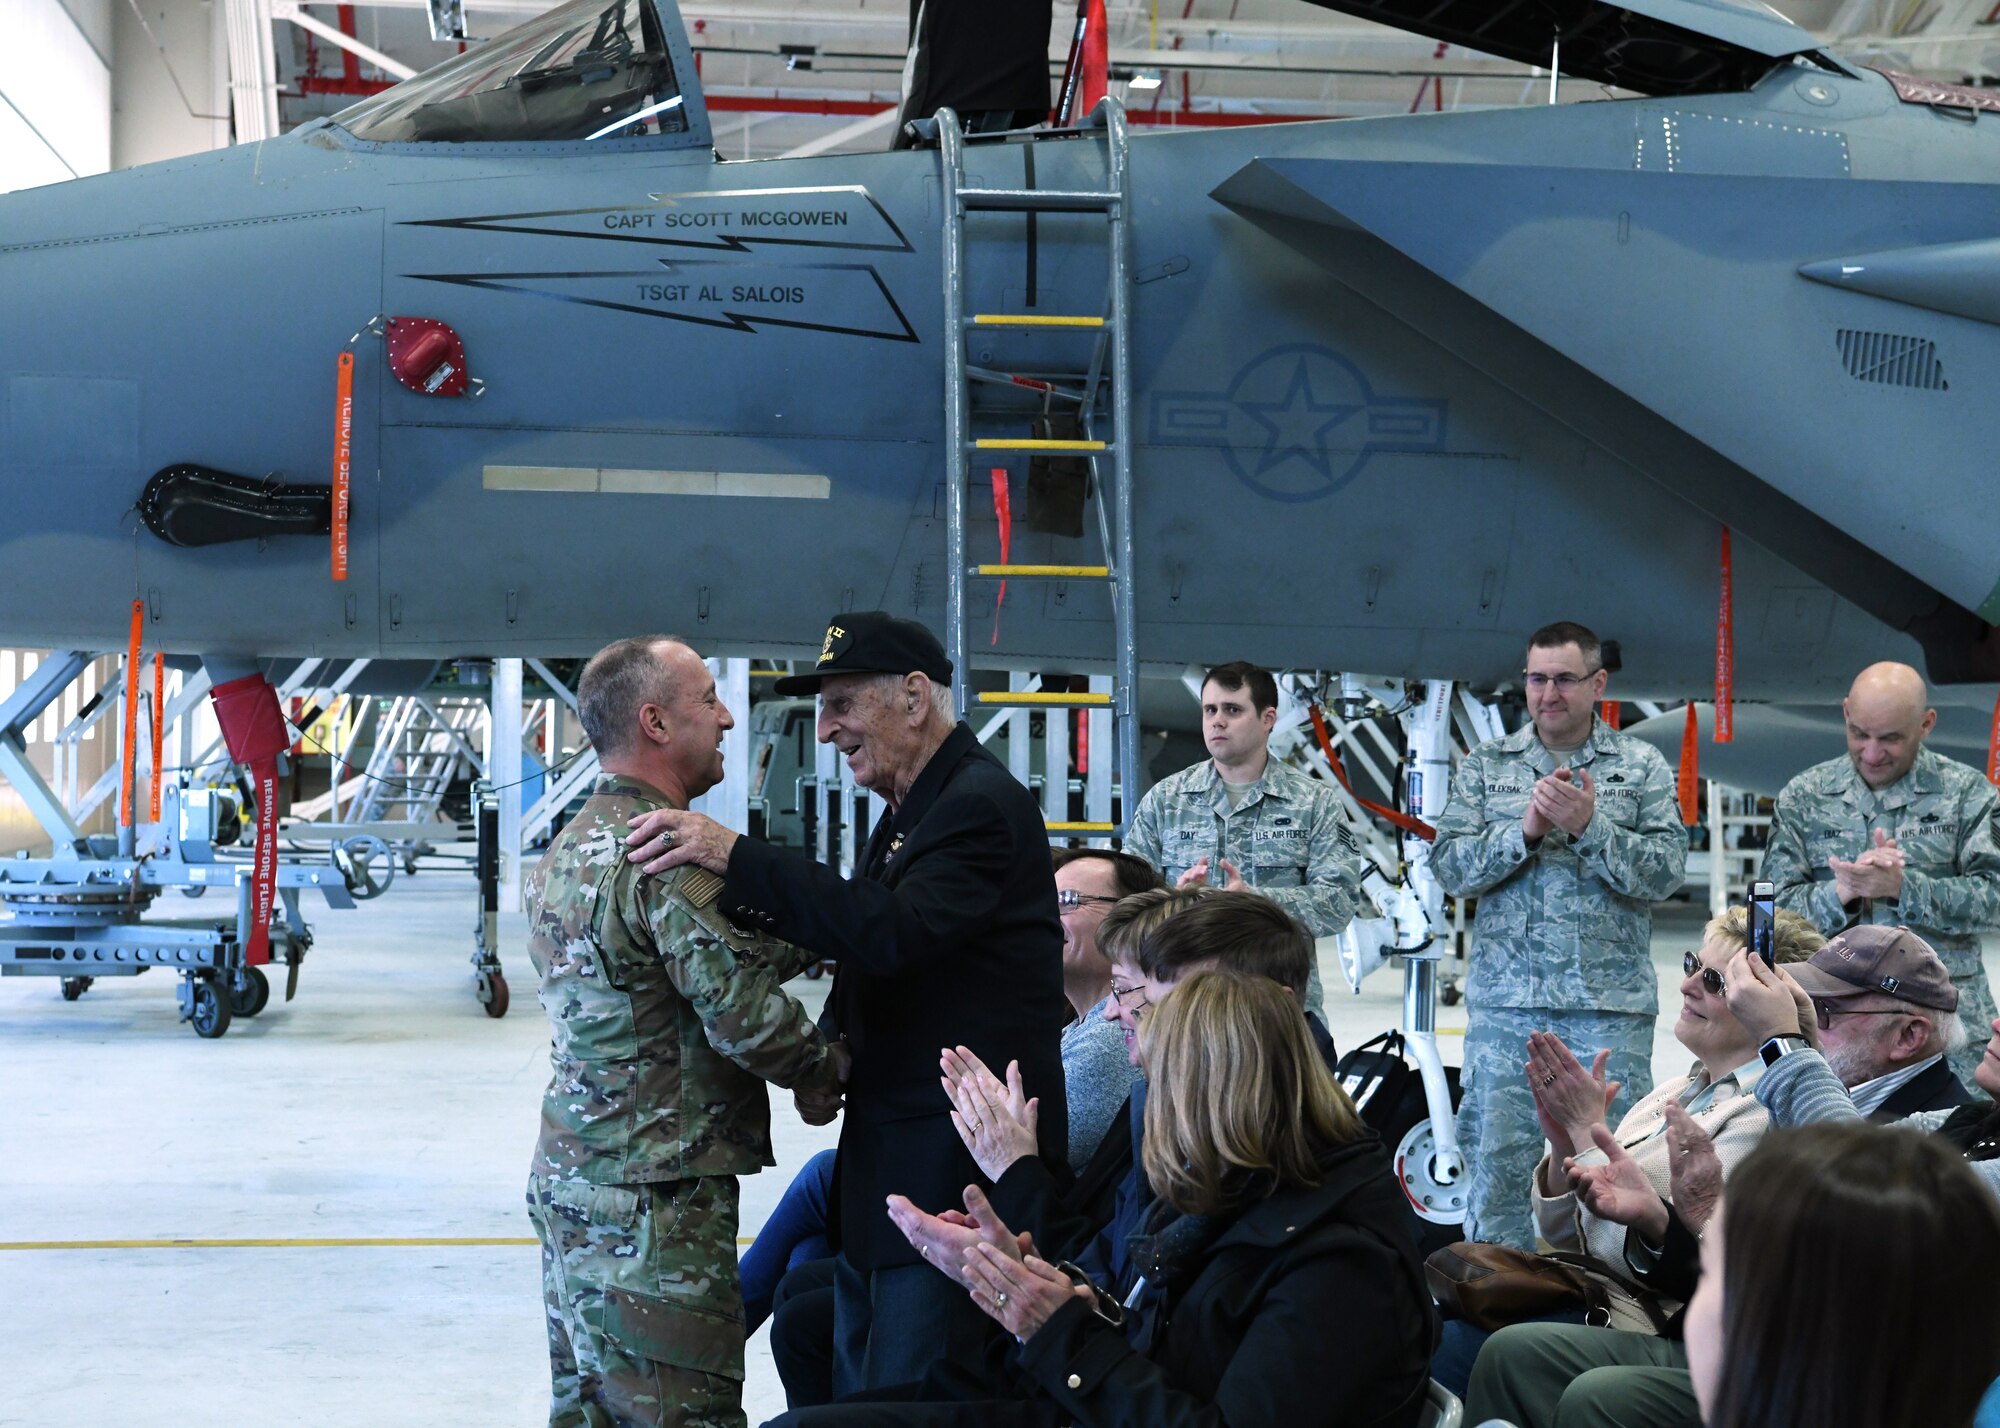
1197 876
1876 873
1568 1099
1694 1169
1565 799
1618 1190
943 1240
1021 1293
997 1122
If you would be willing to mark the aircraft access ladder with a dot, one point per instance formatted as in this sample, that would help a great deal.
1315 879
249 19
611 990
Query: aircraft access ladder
1092 388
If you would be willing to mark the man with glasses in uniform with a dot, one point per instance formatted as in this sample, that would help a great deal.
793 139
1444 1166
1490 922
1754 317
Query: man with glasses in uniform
1567 832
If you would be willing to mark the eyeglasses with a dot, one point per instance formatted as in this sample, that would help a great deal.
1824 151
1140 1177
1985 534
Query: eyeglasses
1119 995
1711 980
1070 897
1824 1014
1564 683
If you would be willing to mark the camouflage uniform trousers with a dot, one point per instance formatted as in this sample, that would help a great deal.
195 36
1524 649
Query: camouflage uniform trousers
1497 1130
1976 1011
644 1310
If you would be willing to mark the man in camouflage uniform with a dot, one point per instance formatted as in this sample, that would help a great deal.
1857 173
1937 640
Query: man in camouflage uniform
1895 835
666 1022
1567 832
1242 820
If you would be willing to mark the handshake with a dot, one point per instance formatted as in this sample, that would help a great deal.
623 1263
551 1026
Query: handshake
818 1106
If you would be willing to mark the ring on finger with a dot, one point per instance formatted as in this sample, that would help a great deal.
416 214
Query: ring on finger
1000 1299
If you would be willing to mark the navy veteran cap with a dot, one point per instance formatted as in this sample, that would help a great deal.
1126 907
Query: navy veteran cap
1873 958
871 642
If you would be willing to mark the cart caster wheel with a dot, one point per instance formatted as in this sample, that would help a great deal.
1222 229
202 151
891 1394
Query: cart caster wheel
249 990
194 889
211 1010
74 987
1450 995
493 993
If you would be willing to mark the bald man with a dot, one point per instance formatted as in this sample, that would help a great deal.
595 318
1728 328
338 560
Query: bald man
1895 834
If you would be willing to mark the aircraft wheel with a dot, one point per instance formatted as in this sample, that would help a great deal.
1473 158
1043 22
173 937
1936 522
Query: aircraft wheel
211 1010
193 889
74 987
249 990
493 993
1432 1198
366 863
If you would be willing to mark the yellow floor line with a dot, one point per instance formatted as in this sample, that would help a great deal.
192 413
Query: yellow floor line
413 1242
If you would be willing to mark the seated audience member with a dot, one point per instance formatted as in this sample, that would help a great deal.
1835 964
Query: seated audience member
1848 1282
1887 1048
1800 1088
1273 1281
1558 1375
1097 1074
1571 1102
1165 937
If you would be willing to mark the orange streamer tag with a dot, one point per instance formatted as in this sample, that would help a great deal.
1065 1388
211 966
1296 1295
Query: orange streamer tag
343 459
131 753
1610 713
1993 746
159 731
1003 512
1725 652
1690 772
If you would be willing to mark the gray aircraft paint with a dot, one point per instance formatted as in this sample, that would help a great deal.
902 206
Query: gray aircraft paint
1405 388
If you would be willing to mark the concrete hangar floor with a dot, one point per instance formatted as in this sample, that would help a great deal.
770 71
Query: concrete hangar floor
366 1137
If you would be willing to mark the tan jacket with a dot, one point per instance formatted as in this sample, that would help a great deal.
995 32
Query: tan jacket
1734 1119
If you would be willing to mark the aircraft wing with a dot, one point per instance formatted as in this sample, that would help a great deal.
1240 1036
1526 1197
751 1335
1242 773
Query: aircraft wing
1647 46
1774 743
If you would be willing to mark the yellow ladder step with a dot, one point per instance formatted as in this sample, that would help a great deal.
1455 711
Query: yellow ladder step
1041 699
1067 827
1010 443
1046 572
1005 319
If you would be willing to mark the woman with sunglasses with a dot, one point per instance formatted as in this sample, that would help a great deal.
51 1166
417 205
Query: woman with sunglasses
1570 1102
1716 1092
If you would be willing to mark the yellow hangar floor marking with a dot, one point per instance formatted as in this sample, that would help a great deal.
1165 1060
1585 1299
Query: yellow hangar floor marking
401 1243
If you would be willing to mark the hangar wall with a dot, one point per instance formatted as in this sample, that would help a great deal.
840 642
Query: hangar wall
55 90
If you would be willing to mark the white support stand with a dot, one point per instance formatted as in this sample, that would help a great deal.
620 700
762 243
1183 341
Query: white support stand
1718 857
503 767
1020 749
1420 918
1055 765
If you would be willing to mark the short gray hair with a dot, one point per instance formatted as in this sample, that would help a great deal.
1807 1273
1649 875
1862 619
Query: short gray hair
1947 1031
884 687
620 680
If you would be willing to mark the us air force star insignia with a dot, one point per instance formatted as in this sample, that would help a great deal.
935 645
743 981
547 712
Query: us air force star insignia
833 632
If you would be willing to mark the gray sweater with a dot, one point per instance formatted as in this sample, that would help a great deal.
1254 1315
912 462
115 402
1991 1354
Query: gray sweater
1802 1089
1097 1076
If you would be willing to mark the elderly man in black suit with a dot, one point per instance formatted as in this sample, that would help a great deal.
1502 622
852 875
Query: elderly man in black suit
947 935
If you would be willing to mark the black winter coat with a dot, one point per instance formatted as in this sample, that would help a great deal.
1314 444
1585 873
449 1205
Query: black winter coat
1309 1310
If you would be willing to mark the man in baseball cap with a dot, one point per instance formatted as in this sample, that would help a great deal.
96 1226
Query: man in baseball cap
1888 1017
947 935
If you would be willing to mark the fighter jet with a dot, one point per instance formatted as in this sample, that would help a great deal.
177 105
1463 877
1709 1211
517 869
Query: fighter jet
1402 389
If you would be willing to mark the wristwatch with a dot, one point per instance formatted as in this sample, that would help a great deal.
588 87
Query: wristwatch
1779 1047
1101 1304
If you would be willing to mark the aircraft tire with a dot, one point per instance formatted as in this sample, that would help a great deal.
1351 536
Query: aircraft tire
211 1010
249 995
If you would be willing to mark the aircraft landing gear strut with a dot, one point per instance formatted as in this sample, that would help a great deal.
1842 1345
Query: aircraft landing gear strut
490 983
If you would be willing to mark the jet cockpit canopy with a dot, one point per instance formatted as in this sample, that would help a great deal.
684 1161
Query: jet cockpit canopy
590 69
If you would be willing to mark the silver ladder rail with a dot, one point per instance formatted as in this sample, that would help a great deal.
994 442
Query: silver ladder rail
1113 330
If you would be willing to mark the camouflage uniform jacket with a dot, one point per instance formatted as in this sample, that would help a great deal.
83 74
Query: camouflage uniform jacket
663 1015
1287 838
1941 815
1568 923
